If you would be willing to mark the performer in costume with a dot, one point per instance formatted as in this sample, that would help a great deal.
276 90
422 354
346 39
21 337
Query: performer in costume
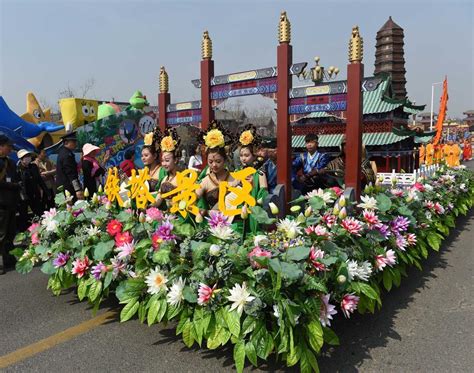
312 164
421 155
429 154
150 159
215 140
467 151
451 153
169 145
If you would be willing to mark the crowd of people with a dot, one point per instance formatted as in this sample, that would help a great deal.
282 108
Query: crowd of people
28 187
449 152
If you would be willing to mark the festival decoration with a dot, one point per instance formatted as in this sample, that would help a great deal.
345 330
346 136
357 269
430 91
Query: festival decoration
138 101
76 112
139 191
184 194
275 293
240 194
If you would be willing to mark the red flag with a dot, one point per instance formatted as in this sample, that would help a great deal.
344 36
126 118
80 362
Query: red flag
443 107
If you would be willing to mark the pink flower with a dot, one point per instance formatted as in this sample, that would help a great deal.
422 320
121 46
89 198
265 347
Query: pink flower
80 266
370 217
48 215
329 219
33 227
339 192
156 241
401 242
61 260
429 204
217 219
326 311
314 256
411 239
153 214
258 252
123 238
318 230
114 227
118 267
438 208
35 238
351 225
165 230
349 304
125 251
205 293
381 261
419 187
397 192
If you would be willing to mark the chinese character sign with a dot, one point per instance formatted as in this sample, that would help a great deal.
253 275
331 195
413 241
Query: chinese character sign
239 195
112 187
139 189
184 194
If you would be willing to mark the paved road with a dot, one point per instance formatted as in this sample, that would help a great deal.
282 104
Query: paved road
427 325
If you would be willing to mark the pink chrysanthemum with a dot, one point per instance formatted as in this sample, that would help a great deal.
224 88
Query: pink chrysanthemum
351 225
80 267
349 304
153 214
217 219
371 218
389 258
411 239
258 252
205 293
329 219
327 311
314 258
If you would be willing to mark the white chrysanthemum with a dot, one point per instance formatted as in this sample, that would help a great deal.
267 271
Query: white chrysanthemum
175 295
352 268
156 281
369 203
361 271
428 187
222 232
239 295
327 197
92 231
51 225
260 240
290 227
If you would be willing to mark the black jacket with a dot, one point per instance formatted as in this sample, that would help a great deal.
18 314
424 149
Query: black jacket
66 171
9 184
89 179
31 182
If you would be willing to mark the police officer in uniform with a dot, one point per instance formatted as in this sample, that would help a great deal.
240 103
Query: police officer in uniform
66 167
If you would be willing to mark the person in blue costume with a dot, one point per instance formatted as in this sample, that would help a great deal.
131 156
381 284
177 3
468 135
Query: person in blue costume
311 164
267 151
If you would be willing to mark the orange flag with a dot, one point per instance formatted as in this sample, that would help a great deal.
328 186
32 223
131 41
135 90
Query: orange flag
443 107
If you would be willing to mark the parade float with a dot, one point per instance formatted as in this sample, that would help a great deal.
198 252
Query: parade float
277 291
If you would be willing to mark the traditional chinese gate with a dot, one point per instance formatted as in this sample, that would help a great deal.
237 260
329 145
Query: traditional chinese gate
290 101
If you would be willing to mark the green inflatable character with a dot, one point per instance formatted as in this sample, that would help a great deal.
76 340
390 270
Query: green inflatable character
138 101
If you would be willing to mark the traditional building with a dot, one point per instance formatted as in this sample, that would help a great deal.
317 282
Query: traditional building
469 119
386 110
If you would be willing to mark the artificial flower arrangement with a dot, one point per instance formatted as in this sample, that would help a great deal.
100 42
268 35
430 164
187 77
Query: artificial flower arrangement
276 293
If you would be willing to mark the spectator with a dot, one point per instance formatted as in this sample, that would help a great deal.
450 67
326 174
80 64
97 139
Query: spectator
47 170
268 153
195 161
9 196
32 188
128 165
91 169
67 175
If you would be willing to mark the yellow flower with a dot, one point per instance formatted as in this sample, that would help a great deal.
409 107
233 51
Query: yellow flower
214 139
168 144
246 137
148 139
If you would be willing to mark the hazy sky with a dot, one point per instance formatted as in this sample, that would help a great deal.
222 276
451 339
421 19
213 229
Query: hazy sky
48 45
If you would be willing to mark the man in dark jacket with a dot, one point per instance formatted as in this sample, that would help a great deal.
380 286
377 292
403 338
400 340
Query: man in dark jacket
66 167
9 193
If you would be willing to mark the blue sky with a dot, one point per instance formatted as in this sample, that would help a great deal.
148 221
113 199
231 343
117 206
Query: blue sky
46 45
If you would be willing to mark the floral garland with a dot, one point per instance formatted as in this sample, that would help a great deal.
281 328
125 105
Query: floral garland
277 292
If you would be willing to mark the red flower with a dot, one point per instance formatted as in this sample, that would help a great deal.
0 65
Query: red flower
156 241
123 238
114 227
80 267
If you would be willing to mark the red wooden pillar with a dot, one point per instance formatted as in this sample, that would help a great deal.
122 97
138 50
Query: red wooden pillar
163 99
207 73
284 83
399 165
387 164
354 126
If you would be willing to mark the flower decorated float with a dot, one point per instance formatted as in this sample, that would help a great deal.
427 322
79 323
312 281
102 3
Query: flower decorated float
275 292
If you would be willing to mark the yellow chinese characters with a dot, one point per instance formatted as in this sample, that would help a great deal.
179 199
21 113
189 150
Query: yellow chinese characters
138 189
112 186
184 194
239 195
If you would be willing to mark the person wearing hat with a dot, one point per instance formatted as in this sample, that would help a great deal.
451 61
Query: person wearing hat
48 172
268 152
9 194
91 169
32 188
66 167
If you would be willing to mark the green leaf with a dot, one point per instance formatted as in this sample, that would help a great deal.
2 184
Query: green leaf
213 341
383 202
297 253
141 312
316 203
154 307
239 356
315 335
94 290
365 289
130 289
48 268
129 310
251 353
188 338
108 279
330 337
434 241
387 280
289 271
162 311
189 295
82 289
185 230
313 283
308 362
24 266
17 252
248 325
161 256
102 249
232 320
261 216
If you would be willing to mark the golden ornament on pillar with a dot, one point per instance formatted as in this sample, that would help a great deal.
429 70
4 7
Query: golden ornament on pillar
284 29
164 86
356 46
206 46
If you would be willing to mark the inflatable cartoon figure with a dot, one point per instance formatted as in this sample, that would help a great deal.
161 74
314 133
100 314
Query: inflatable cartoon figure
107 109
138 101
78 111
34 113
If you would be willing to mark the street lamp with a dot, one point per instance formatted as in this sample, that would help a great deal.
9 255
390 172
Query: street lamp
432 97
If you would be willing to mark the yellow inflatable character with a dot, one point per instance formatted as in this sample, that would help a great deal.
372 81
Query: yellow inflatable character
78 111
34 113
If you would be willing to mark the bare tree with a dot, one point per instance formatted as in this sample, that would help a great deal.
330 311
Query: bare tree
80 92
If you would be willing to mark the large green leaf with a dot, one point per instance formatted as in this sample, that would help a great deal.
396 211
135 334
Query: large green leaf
289 271
24 266
232 320
188 338
383 202
239 355
48 267
308 362
297 253
387 280
330 337
154 307
434 241
94 290
316 203
162 256
315 335
251 353
365 289
129 289
102 249
129 310
261 216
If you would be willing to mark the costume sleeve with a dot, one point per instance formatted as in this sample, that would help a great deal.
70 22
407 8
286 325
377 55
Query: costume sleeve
323 161
296 165
70 170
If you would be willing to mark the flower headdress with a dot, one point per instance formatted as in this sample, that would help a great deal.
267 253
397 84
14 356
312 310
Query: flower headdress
153 138
215 136
169 141
249 136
